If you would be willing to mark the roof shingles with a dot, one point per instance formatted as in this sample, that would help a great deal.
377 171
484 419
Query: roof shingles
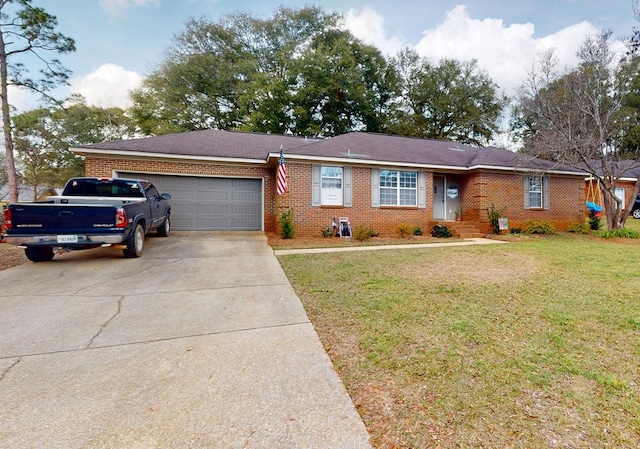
355 146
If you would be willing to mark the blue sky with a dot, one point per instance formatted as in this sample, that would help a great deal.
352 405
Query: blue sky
120 41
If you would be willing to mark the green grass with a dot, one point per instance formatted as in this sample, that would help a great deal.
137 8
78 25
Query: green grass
533 344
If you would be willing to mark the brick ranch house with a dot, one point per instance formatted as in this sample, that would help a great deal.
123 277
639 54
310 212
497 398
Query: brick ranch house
224 180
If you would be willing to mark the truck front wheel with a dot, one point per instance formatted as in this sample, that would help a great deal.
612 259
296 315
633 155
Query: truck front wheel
135 243
39 253
165 228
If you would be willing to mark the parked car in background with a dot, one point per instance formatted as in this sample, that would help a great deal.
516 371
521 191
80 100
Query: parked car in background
635 210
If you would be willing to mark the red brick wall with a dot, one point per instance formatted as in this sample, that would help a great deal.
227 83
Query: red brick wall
106 166
482 190
309 221
478 192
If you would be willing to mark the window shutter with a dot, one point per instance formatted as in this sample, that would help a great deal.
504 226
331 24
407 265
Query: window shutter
422 185
315 185
347 182
526 193
375 187
546 191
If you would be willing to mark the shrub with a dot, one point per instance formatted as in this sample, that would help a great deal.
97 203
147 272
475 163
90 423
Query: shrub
540 227
417 230
440 231
515 230
286 224
404 230
326 232
620 233
494 215
579 227
594 220
362 233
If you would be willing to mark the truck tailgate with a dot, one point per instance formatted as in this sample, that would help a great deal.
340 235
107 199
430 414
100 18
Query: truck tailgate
63 218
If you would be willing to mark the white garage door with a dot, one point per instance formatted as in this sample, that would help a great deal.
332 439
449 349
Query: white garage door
210 204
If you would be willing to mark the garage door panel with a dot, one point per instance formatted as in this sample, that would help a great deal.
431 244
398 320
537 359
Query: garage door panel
246 210
213 209
213 223
213 204
180 195
212 196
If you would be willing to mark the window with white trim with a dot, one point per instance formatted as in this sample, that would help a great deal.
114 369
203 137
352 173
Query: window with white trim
620 193
398 188
535 192
331 186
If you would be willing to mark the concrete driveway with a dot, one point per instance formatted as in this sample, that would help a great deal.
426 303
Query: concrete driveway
200 343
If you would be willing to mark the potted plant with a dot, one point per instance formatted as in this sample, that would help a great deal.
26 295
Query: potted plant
459 215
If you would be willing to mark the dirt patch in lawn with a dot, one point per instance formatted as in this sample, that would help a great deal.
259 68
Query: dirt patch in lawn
10 256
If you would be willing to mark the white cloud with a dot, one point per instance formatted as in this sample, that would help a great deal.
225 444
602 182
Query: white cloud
368 25
118 8
108 86
506 52
21 99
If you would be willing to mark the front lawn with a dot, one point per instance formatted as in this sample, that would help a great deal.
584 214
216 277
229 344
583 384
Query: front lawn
532 344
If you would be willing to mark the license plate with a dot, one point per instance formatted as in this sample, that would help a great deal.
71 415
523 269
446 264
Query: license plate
67 239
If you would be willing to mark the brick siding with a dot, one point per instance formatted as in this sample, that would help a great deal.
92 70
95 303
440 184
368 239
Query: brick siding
478 191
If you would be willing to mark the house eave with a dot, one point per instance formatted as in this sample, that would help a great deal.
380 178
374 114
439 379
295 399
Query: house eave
433 167
105 154
526 170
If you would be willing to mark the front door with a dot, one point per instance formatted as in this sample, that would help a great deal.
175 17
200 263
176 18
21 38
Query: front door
438 198
446 197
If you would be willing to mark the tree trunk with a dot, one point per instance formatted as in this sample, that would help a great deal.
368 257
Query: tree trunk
12 176
612 208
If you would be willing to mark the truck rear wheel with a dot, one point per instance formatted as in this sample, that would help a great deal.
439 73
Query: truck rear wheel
135 243
39 253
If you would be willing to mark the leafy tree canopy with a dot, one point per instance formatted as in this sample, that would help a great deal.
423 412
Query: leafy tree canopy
450 100
43 137
298 72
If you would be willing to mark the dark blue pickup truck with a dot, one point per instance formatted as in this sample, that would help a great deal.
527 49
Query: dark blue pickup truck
91 212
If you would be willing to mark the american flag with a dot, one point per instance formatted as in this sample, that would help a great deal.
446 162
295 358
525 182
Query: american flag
282 175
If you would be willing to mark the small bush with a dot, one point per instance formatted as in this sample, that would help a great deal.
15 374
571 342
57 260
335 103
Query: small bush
594 220
579 227
404 230
620 233
362 233
417 230
326 232
440 231
515 230
494 215
540 227
286 224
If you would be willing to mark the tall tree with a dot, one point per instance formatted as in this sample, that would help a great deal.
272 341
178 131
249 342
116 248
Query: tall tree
43 137
342 85
3 178
576 117
25 31
297 72
452 100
